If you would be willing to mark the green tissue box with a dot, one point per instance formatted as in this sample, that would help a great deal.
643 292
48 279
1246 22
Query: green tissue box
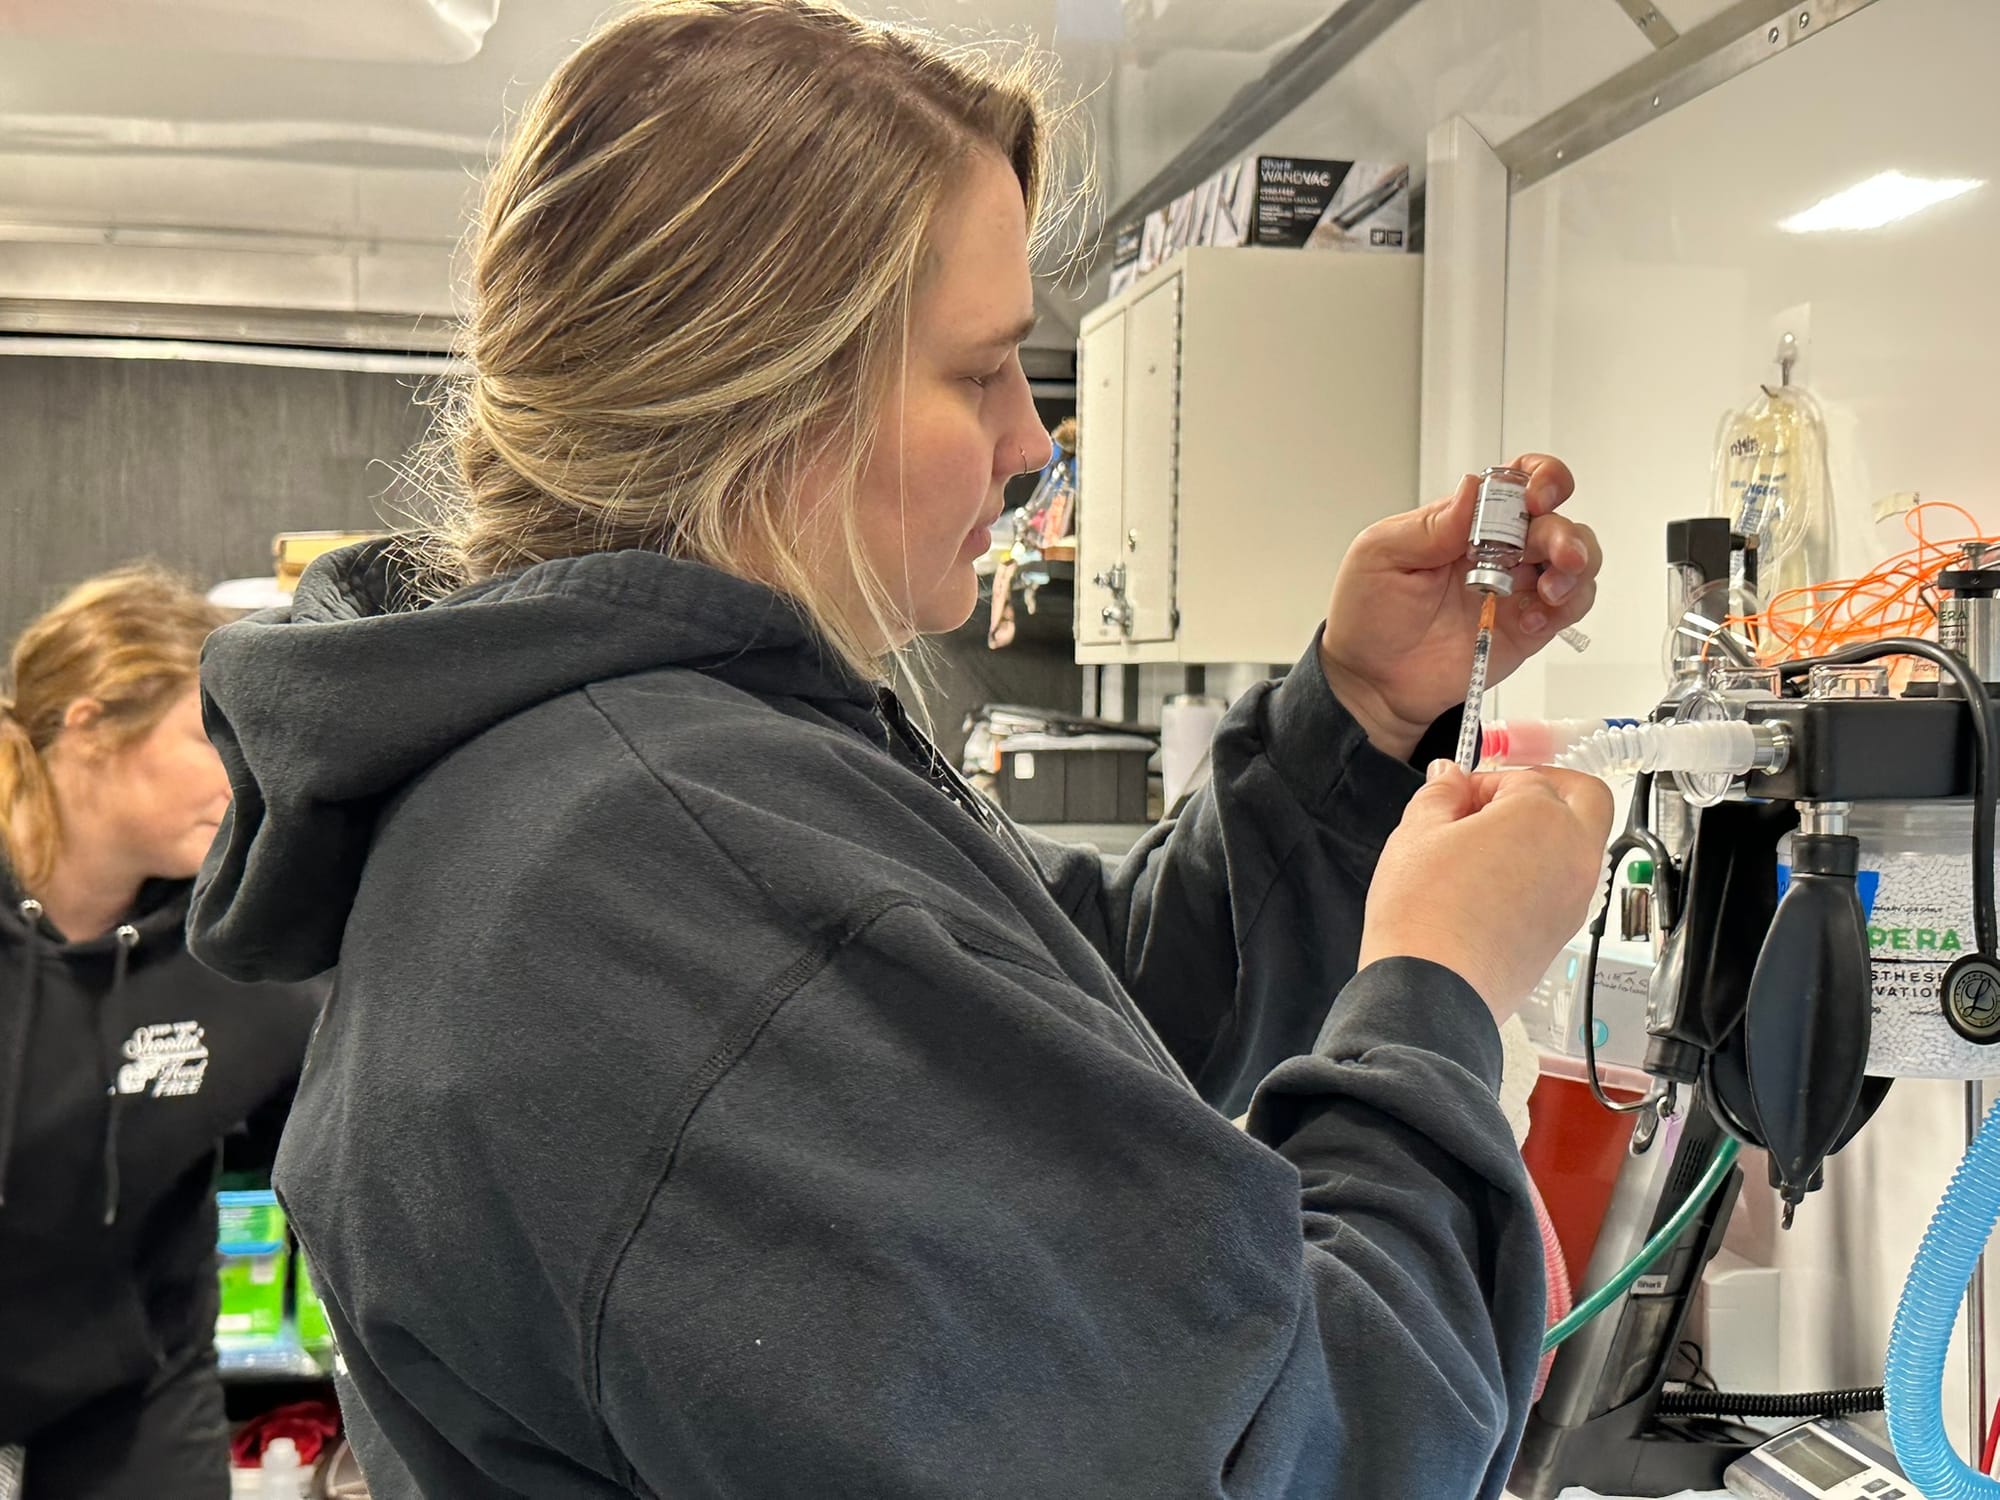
253 1295
247 1220
250 1233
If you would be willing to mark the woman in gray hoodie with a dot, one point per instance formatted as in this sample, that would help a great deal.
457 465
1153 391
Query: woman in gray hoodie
720 1099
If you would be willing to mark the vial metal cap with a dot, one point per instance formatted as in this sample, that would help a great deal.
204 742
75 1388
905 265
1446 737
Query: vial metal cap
1492 580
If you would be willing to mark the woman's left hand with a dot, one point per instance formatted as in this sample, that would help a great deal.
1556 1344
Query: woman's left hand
1398 643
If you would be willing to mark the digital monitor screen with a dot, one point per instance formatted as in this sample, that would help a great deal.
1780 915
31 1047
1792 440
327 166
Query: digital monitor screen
1814 1459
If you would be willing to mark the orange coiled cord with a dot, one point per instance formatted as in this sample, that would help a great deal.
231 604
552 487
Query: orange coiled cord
1896 598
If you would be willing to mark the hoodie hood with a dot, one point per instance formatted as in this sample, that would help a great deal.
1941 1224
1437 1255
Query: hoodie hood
325 710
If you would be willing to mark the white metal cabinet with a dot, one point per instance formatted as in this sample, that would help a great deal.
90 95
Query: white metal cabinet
1242 415
1152 375
1100 408
1128 369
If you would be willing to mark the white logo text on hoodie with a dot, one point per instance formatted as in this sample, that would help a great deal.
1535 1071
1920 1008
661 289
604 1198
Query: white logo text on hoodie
168 1055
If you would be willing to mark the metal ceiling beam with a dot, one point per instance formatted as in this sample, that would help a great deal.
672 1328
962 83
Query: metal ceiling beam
386 332
1263 102
213 353
373 342
1652 24
1731 42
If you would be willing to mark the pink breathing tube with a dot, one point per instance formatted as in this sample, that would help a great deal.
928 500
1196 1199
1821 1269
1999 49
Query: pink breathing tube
1557 1272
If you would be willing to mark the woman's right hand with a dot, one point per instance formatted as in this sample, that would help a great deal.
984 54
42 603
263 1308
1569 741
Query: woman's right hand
1490 875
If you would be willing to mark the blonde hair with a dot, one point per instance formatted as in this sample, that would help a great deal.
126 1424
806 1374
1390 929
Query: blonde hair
131 641
692 287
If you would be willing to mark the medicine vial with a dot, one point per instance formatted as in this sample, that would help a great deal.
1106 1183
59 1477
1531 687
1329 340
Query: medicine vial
1499 530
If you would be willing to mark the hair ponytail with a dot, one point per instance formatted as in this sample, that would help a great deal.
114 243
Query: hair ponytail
129 641
29 826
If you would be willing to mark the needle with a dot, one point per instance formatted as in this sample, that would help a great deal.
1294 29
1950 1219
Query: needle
1475 692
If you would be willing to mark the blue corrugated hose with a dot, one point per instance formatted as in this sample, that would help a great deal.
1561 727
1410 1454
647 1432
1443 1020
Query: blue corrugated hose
1913 1377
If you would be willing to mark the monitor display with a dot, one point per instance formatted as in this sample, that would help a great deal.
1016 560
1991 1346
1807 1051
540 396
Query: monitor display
1815 1460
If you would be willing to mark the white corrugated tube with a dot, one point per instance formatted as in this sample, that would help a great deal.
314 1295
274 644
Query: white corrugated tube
1728 746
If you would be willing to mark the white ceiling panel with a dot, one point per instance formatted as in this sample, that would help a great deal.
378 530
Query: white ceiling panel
367 123
387 31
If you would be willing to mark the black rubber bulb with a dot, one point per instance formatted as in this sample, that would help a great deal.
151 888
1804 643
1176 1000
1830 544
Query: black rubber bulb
1806 1026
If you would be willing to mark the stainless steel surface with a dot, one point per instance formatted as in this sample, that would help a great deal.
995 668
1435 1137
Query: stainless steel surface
1261 104
1788 357
1772 746
1969 625
1731 42
1645 15
1635 913
1970 628
1672 818
1824 817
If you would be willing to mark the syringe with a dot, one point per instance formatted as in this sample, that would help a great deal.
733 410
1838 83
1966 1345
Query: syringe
1475 692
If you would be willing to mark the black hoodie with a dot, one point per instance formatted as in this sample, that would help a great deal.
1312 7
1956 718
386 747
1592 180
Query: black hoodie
715 1103
123 1064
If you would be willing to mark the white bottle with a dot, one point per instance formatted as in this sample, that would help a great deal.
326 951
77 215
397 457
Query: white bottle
284 1478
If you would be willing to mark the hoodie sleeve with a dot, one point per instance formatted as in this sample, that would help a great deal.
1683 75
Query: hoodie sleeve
1234 926
286 1016
935 1235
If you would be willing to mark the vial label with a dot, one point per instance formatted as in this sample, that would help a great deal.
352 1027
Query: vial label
1501 514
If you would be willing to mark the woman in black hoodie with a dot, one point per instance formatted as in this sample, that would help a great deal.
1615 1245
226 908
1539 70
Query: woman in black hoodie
722 1100
123 1062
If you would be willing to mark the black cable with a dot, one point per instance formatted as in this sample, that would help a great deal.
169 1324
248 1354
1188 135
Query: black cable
1698 1375
1803 1404
1985 766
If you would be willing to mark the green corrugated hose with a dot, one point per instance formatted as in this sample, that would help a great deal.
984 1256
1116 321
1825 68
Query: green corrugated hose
1651 1251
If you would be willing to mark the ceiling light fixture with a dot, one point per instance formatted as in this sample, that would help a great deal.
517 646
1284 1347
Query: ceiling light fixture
1882 199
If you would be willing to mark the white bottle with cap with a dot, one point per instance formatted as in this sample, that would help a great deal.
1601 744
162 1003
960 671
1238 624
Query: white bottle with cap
284 1477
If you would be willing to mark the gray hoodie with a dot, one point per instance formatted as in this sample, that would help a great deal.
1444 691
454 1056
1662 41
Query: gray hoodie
717 1101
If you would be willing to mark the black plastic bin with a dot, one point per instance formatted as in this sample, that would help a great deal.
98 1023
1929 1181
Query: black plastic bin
1088 778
